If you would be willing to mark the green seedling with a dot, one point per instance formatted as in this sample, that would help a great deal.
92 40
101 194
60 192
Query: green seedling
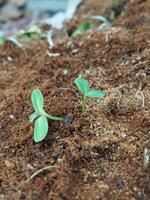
41 122
82 28
86 91
33 31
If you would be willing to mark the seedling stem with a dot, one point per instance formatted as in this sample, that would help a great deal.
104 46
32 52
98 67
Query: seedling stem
86 91
54 118
84 101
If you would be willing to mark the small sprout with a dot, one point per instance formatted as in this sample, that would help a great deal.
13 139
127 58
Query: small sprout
84 88
41 123
33 31
82 28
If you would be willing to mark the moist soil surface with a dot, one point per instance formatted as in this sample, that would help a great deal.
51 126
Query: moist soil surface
100 154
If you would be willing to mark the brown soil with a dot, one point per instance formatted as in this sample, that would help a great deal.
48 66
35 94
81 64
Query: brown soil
100 154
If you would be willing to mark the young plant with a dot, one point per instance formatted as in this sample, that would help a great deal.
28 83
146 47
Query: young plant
33 31
82 28
41 122
86 91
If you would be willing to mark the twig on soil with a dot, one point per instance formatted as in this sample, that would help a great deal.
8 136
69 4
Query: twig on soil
107 36
140 95
49 39
138 75
146 158
15 41
138 64
102 70
141 74
50 167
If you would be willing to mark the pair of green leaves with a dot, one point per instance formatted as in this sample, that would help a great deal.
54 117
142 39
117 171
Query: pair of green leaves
84 88
41 123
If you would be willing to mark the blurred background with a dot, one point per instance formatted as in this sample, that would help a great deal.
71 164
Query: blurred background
14 9
16 14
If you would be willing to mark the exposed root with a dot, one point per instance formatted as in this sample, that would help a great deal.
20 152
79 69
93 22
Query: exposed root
50 167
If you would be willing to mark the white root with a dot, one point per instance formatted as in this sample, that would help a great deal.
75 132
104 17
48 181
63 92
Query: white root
49 39
146 158
50 167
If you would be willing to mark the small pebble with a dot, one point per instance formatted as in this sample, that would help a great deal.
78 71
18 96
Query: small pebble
65 72
124 134
29 166
68 119
53 54
75 50
9 164
9 58
11 117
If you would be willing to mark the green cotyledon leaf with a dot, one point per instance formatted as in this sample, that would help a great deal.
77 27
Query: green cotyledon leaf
37 100
83 85
95 93
82 28
40 129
